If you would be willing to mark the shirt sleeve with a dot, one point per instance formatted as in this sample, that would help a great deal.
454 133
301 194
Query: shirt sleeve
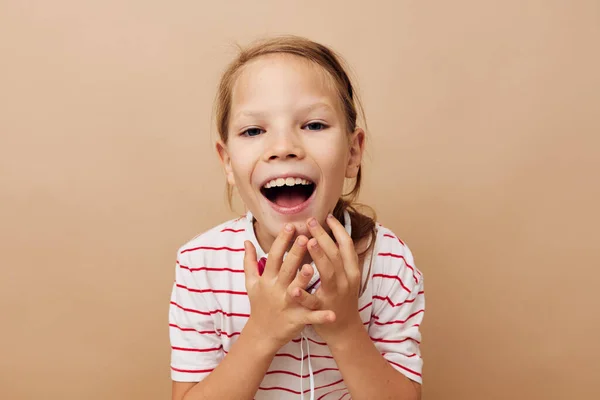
398 307
196 347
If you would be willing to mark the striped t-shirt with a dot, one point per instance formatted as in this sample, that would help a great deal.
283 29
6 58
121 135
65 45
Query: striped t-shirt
209 307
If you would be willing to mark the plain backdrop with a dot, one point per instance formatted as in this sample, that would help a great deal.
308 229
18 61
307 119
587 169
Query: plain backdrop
483 156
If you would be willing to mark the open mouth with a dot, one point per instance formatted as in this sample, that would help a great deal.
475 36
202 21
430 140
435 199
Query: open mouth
288 193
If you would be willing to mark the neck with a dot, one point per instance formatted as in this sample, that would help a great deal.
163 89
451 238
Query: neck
265 240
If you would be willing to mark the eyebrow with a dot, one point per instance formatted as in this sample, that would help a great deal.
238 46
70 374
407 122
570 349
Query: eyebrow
318 105
261 114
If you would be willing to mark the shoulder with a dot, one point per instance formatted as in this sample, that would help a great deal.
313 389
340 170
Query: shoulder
392 257
227 237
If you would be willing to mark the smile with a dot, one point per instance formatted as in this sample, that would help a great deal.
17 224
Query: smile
289 195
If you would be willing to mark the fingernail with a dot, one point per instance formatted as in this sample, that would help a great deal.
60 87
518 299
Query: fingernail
305 272
314 245
301 241
330 216
312 222
289 227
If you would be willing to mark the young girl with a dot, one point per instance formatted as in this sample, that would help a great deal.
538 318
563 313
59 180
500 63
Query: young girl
304 295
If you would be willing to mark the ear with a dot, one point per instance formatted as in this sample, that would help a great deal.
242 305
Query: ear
357 147
226 161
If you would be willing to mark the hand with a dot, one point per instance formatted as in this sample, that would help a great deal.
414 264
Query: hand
340 278
278 311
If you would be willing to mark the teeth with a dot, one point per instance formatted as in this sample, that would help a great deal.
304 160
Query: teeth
290 181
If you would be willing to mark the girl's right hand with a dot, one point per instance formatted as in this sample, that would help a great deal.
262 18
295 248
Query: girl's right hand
276 313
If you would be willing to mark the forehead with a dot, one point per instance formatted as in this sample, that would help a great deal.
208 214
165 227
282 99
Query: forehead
282 81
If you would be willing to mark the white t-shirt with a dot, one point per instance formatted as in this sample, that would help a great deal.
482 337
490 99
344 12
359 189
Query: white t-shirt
210 306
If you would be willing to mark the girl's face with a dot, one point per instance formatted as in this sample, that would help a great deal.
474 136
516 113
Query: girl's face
288 148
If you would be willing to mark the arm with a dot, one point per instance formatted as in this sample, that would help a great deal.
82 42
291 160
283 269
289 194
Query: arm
246 365
275 322
366 373
383 363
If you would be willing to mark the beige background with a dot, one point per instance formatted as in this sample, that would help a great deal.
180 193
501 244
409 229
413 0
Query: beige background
484 157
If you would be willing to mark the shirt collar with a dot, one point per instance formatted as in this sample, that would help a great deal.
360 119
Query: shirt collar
261 256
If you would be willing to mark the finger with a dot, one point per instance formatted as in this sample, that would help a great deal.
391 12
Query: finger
303 277
278 249
250 264
289 268
346 247
305 299
329 247
327 272
319 317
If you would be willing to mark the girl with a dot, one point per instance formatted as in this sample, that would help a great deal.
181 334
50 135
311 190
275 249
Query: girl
304 294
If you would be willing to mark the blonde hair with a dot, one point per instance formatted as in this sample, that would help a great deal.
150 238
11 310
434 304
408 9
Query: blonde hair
363 226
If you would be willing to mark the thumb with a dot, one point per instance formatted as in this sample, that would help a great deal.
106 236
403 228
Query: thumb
250 263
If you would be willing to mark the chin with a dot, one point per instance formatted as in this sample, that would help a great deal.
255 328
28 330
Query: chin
277 222
302 228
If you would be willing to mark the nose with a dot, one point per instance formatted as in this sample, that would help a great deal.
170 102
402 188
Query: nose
283 146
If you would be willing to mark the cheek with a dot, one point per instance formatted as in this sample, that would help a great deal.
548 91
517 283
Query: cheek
332 158
241 173
242 165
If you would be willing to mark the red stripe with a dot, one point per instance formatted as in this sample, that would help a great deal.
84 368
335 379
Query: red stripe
298 358
397 321
278 388
296 392
415 271
210 312
210 290
232 230
193 371
392 277
211 248
380 340
365 306
298 375
344 395
399 304
193 330
394 237
197 350
241 271
218 333
404 368
324 386
328 393
311 340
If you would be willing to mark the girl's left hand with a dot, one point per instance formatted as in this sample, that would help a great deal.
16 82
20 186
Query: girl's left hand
340 278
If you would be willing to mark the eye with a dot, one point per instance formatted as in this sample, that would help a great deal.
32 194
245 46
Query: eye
252 132
315 126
